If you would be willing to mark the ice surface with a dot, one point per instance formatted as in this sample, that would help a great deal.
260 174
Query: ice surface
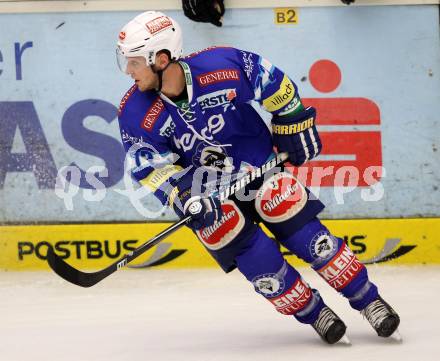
202 315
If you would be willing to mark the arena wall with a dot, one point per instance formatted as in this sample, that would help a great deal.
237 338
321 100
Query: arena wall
371 71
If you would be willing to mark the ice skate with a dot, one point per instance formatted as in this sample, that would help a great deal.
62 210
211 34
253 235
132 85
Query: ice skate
383 318
330 327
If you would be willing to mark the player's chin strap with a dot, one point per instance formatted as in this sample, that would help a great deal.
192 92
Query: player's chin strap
159 73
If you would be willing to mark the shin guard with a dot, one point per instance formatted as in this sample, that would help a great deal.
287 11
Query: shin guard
276 280
334 261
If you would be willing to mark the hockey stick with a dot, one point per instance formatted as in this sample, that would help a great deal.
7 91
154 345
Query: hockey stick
88 279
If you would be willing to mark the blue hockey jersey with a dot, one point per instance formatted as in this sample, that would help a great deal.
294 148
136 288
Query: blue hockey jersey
218 127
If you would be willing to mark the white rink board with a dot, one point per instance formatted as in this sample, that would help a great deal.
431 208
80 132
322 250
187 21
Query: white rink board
22 6
201 315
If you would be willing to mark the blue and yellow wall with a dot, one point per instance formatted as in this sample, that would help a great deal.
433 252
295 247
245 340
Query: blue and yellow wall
371 71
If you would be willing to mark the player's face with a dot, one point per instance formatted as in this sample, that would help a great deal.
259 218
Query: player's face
141 73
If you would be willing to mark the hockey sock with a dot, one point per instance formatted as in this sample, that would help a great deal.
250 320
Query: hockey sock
334 261
264 266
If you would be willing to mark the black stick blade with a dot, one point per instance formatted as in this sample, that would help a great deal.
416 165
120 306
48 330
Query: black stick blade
72 275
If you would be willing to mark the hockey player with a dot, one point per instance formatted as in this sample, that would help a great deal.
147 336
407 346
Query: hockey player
187 118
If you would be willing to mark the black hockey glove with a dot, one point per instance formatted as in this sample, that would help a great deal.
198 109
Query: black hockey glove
347 2
205 11
205 211
297 135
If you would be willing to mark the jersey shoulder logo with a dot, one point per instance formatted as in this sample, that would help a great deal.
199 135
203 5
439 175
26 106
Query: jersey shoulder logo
152 114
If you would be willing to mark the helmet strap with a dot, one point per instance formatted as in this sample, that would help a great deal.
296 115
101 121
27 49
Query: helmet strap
159 73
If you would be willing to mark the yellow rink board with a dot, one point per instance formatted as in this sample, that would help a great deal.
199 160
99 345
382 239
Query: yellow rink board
93 246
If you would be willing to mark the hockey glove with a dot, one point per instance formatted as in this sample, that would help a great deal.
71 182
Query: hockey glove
297 135
204 211
205 11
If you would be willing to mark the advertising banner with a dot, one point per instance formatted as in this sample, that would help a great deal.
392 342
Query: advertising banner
95 246
371 72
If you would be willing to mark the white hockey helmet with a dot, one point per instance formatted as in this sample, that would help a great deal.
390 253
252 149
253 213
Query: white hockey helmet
147 34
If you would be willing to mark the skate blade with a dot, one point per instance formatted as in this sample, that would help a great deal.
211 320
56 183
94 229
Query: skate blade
397 336
345 340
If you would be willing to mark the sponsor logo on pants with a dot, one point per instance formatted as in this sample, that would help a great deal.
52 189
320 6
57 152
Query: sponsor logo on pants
294 299
341 269
280 198
224 231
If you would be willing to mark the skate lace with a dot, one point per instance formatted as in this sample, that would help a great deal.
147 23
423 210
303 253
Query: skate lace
324 321
376 312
